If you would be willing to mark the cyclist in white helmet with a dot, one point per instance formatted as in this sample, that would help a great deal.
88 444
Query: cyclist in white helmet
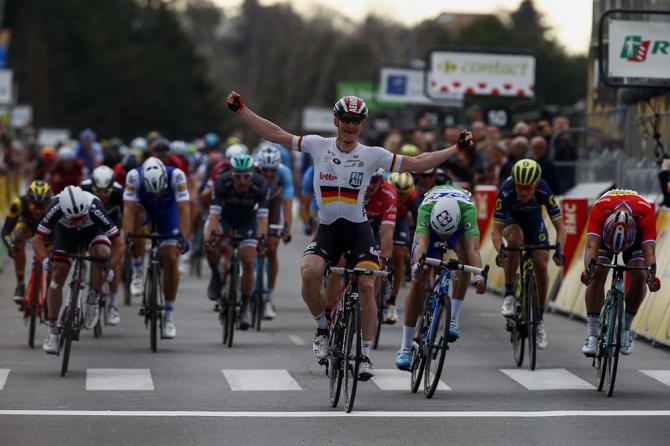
78 219
342 171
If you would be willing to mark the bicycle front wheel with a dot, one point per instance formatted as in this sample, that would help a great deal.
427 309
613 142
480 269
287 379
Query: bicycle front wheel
352 355
259 295
601 361
335 365
436 346
126 277
616 337
35 290
232 304
532 316
69 327
417 355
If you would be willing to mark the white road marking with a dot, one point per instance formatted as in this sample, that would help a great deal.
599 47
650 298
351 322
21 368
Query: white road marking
297 340
394 379
547 379
119 379
342 414
255 380
4 373
662 376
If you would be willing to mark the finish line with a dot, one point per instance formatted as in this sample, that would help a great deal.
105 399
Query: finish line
339 414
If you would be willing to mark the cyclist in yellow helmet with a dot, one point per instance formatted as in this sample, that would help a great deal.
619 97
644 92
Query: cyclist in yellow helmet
518 218
403 183
24 214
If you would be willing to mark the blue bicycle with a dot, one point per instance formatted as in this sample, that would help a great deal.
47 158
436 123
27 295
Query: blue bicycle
431 334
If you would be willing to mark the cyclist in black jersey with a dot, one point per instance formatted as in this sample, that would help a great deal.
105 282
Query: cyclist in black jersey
21 225
102 185
240 205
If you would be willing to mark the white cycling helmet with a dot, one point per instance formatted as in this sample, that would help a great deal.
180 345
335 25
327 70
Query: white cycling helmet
269 157
103 177
236 149
154 175
445 216
139 144
66 153
74 202
179 148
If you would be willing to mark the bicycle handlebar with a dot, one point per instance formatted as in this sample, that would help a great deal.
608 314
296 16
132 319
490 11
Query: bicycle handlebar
61 253
557 247
455 265
357 272
155 236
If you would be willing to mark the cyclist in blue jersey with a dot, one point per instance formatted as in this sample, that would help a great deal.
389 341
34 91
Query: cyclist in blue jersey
308 209
518 218
158 195
280 202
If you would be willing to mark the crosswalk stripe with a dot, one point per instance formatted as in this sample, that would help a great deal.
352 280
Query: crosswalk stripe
547 379
119 379
4 373
394 379
256 380
662 376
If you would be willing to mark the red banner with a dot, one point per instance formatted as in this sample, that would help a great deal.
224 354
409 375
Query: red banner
575 218
485 199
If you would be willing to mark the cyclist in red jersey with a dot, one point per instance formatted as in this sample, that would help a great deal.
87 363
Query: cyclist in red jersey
67 170
621 221
160 148
128 163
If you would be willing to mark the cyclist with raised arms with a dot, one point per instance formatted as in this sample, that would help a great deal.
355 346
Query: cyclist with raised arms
158 195
518 218
77 218
280 180
239 204
621 221
342 171
25 213
447 218
110 193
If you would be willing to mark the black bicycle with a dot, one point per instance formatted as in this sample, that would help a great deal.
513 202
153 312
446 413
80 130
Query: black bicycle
71 319
153 298
127 277
431 333
612 325
523 324
344 358
383 294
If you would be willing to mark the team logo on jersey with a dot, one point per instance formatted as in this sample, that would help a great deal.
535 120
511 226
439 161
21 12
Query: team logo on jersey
181 187
130 187
356 179
337 161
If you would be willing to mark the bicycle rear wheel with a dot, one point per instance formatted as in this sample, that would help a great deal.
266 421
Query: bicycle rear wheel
436 346
532 315
335 359
352 355
381 295
615 346
418 357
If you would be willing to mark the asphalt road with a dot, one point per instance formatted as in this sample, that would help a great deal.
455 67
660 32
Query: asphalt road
268 389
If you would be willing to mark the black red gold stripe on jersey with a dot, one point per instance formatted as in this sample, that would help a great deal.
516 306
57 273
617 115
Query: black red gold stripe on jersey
331 194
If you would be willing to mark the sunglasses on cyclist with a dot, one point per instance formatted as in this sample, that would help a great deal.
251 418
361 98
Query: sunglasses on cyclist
35 206
351 119
242 176
525 187
79 219
106 190
268 170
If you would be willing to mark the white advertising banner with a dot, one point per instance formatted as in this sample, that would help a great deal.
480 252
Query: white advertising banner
51 137
5 86
402 85
318 119
22 115
487 74
639 49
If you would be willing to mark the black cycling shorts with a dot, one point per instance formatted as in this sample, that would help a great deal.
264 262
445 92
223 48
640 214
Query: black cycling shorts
274 214
71 240
333 240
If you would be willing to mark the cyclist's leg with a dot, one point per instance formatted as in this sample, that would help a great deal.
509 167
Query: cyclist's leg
21 233
248 261
535 233
322 249
637 288
334 285
594 297
514 235
213 254
460 281
65 240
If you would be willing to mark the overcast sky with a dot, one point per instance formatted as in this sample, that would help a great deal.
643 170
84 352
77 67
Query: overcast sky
570 20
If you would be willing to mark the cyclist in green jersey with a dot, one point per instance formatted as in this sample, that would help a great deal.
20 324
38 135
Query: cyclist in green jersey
446 216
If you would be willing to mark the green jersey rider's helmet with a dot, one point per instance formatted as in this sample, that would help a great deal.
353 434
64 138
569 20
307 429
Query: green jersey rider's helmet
526 172
242 163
